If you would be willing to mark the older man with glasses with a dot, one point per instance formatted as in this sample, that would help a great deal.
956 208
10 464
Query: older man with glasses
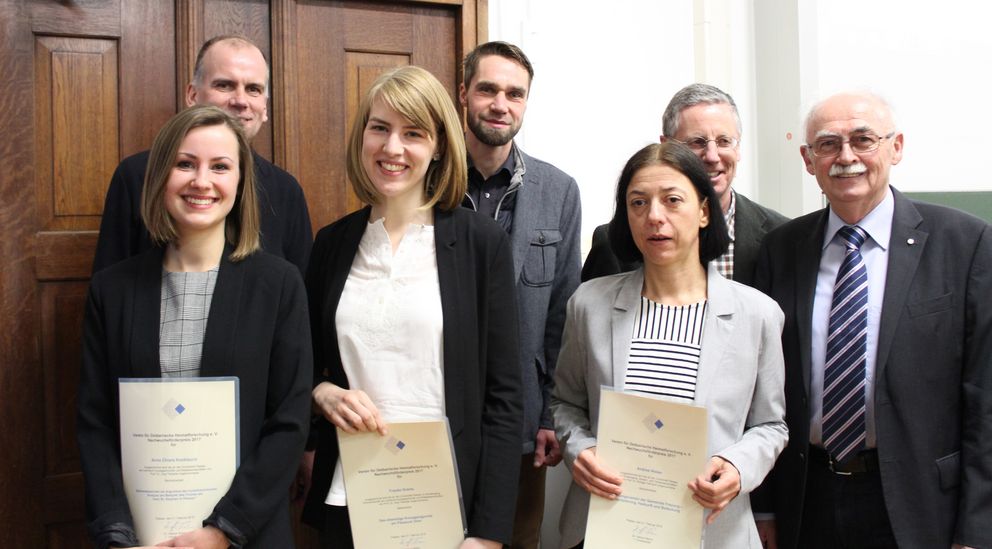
705 119
888 353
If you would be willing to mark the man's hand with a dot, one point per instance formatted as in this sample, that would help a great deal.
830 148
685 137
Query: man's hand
596 479
350 410
208 537
716 486
767 533
546 449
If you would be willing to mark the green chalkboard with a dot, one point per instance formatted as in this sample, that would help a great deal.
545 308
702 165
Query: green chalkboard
976 203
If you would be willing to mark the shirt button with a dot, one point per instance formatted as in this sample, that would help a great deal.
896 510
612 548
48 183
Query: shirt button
487 195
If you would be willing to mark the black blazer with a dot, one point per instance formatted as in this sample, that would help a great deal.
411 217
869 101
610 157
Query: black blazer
481 360
258 330
933 375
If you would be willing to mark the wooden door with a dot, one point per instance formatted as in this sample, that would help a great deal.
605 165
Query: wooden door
331 59
88 82
70 70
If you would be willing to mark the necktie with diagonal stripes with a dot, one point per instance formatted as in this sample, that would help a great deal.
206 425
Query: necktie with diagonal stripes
847 346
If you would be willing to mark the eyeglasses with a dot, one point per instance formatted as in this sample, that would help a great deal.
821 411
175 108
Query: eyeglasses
700 144
861 143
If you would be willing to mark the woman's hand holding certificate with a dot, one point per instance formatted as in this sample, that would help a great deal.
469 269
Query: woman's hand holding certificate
350 410
590 473
716 486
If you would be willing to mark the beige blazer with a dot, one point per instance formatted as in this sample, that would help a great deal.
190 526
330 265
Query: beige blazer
740 383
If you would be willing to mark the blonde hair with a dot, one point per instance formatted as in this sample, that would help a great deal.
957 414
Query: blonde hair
417 95
241 228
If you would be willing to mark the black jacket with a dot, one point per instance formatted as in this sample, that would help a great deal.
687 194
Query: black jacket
257 330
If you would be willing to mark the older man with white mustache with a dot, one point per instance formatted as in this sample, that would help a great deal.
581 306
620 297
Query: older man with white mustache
888 353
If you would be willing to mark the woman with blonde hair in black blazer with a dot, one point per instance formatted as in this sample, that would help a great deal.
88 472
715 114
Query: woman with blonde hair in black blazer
413 311
205 302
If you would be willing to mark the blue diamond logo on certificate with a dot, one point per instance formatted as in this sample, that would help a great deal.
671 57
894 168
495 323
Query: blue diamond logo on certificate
173 408
395 445
653 423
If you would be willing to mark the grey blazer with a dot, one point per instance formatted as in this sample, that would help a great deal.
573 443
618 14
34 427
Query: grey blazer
546 263
740 383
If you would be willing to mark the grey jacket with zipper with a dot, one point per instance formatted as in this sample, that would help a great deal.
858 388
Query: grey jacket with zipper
544 234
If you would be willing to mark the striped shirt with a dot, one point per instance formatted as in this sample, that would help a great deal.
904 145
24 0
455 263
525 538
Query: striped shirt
664 350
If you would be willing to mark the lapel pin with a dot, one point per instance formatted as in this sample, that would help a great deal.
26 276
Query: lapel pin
910 241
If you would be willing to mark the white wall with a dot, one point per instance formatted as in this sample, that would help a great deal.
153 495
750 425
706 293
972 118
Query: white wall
602 79
932 60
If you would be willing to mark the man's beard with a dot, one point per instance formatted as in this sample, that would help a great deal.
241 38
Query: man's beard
491 136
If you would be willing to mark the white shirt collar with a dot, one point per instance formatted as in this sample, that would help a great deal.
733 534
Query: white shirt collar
878 222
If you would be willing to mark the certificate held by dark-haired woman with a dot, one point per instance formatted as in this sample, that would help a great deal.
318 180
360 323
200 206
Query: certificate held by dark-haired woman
657 446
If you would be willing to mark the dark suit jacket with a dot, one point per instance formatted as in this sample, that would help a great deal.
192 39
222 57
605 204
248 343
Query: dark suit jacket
285 221
933 375
257 330
752 222
481 373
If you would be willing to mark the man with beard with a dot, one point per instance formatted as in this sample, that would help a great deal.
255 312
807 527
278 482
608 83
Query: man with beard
230 73
705 119
538 205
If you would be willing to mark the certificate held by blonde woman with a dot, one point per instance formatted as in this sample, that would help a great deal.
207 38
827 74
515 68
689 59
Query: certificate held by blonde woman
402 488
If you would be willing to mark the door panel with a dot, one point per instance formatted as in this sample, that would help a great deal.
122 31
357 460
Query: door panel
76 129
334 60
97 84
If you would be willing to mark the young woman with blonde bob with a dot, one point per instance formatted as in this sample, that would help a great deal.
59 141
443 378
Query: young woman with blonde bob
413 311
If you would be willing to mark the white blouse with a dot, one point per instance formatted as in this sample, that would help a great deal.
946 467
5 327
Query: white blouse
389 325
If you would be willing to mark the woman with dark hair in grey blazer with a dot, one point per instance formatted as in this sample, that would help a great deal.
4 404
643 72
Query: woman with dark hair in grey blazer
412 310
679 331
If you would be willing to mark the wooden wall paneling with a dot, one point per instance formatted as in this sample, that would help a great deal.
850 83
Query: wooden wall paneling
76 129
148 72
189 38
284 100
20 374
78 18
472 30
340 59
62 306
319 149
435 46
